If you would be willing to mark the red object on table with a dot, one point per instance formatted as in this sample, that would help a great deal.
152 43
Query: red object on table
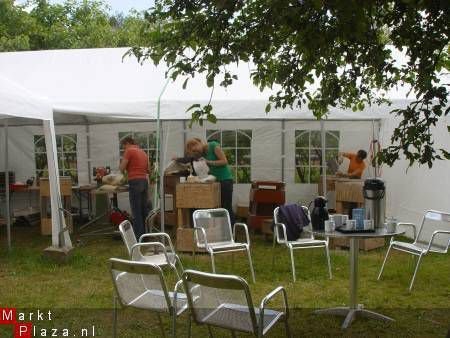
17 186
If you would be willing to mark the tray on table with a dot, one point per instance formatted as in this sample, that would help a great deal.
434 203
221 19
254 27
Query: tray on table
349 231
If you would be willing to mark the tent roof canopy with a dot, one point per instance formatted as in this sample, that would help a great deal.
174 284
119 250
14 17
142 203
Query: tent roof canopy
20 104
98 85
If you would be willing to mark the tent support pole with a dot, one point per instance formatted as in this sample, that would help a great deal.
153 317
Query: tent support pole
161 178
7 196
60 233
88 150
184 135
160 158
324 164
283 150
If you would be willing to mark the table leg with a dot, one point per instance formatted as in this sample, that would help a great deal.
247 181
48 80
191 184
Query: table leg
354 309
354 250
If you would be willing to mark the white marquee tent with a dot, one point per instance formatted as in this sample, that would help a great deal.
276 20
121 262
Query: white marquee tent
97 94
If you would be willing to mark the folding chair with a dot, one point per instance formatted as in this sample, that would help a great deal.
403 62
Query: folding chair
280 237
212 228
160 253
435 224
225 301
142 285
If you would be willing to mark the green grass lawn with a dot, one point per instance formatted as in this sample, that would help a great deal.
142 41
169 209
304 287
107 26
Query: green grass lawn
79 293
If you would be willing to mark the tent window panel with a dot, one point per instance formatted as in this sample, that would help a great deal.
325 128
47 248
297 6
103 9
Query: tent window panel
66 146
145 140
302 174
244 139
228 139
314 174
243 156
243 174
231 156
236 145
308 153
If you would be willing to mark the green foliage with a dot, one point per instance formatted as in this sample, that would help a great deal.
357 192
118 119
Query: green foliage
74 24
317 53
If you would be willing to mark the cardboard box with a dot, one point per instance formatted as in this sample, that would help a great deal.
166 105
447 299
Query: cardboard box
242 211
349 192
186 241
65 183
46 225
198 195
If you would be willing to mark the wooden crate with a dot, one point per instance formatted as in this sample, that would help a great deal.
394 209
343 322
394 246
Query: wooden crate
365 244
66 195
65 184
46 225
349 192
266 229
198 195
186 241
242 211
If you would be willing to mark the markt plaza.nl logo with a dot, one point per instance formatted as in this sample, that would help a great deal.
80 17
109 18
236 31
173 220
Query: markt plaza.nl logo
22 324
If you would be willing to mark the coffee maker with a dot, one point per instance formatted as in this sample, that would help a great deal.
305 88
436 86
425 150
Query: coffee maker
319 214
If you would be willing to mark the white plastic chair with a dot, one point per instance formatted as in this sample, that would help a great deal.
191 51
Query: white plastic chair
212 228
160 252
225 301
435 224
142 285
309 242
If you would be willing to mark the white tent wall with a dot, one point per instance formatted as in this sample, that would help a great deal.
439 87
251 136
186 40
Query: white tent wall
412 191
266 148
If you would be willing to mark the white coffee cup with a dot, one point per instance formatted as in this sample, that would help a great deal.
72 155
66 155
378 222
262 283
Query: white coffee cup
329 226
351 224
368 224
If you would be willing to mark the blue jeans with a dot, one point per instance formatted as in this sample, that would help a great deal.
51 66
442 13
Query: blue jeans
138 193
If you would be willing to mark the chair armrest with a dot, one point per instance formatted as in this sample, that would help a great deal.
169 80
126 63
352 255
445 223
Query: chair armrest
410 225
243 225
159 244
269 297
175 296
435 233
157 235
203 232
283 227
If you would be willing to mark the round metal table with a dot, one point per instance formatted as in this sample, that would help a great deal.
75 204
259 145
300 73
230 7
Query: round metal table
354 309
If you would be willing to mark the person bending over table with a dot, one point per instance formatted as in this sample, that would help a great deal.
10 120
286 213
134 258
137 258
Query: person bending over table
218 167
357 166
135 163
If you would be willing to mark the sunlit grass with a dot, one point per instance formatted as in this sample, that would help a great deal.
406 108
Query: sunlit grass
79 293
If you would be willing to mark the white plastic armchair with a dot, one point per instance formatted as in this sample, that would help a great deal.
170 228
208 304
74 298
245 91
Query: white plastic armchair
159 252
435 227
225 301
309 242
213 232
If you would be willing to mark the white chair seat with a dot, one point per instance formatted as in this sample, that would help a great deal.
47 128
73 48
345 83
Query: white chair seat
410 247
217 246
159 259
237 317
307 242
154 299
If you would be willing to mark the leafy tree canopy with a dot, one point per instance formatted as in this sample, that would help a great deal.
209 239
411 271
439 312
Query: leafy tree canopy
40 25
318 53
